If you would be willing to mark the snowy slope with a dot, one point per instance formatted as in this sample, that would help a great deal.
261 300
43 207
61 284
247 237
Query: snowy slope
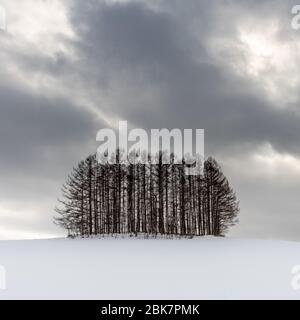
204 268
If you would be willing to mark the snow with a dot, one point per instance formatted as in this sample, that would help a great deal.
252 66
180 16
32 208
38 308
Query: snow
199 268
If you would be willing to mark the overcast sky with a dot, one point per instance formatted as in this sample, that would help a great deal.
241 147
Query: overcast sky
70 67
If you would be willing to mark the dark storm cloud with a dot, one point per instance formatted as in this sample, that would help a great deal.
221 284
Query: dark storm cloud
30 125
156 48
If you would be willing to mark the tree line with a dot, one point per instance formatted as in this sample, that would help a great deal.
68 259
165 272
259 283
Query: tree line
146 198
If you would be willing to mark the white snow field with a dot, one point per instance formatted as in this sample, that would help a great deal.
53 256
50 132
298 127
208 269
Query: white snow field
201 268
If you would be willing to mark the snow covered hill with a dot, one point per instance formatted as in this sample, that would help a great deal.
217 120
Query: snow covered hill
203 268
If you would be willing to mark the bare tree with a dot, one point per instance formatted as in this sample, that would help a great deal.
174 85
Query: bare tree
146 198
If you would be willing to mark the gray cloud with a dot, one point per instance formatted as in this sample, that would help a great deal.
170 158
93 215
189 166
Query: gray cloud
155 49
30 125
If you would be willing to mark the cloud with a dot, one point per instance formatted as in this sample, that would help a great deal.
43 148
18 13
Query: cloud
268 57
45 128
156 72
267 183
41 139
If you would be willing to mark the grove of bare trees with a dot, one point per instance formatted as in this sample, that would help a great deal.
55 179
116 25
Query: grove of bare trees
146 198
